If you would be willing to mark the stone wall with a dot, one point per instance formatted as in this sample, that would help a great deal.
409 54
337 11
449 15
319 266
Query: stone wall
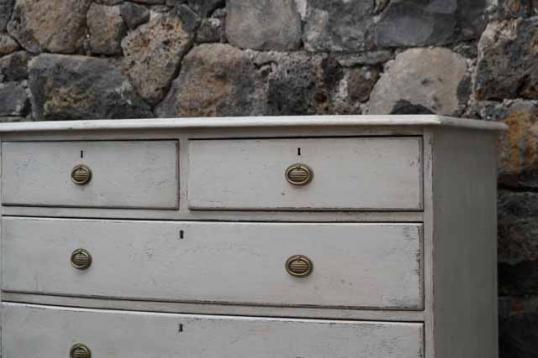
89 59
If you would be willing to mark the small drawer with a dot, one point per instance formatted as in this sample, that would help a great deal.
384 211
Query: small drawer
92 174
278 264
366 173
49 332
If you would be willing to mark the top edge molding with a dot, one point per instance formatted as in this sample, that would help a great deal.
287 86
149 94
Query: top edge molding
253 122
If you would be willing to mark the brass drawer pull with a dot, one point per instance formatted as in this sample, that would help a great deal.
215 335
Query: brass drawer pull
81 174
299 174
81 259
80 351
299 266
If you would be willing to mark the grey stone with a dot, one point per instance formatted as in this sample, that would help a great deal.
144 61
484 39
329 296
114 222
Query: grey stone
12 119
6 8
134 15
299 83
106 29
518 246
150 2
13 99
57 26
424 80
263 24
507 65
364 58
7 45
338 25
80 87
205 7
189 18
517 8
360 83
430 22
14 67
416 23
108 2
211 30
518 157
215 80
518 335
153 53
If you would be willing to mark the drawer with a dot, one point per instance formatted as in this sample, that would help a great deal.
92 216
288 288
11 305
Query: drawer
48 332
353 265
365 173
122 174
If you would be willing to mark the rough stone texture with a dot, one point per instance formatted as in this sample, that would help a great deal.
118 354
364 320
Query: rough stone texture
263 24
205 7
338 25
517 8
13 99
134 15
79 87
429 22
298 83
153 53
215 80
364 58
14 67
518 243
212 29
6 7
55 26
507 65
421 81
518 158
7 45
518 322
106 29
361 81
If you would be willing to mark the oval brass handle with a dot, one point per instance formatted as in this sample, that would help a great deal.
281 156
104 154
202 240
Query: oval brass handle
299 266
299 174
81 259
80 351
81 174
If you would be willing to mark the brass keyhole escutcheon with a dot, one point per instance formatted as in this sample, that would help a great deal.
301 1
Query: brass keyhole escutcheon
80 351
81 259
299 174
81 174
299 266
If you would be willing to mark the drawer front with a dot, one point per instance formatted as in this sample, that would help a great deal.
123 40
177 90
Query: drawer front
368 173
48 332
124 174
354 265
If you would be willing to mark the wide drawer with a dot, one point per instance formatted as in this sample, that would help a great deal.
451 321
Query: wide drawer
365 173
122 174
48 332
354 265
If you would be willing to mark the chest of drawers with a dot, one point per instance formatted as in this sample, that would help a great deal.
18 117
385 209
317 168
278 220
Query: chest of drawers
311 237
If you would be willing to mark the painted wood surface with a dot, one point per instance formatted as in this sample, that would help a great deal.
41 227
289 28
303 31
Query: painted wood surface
348 173
48 332
356 265
360 121
465 245
125 174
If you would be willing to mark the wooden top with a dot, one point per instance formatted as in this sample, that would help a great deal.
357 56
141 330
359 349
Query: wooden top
250 122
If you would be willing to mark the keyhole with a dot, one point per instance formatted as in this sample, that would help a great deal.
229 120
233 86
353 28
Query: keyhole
299 151
82 154
180 328
181 234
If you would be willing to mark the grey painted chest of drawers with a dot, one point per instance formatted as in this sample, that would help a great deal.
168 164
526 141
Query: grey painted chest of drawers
311 237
